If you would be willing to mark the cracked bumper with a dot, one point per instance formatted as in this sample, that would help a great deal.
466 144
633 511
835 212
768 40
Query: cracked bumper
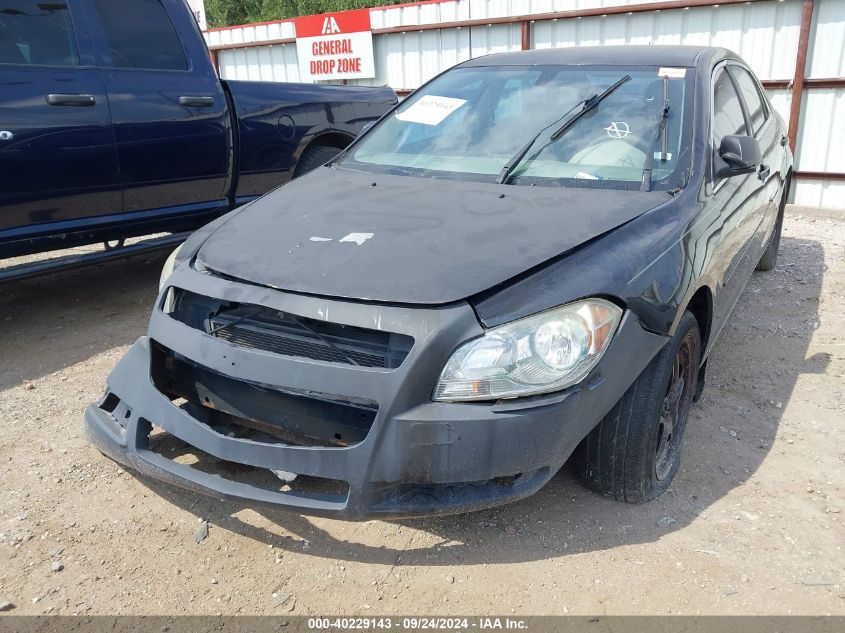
418 458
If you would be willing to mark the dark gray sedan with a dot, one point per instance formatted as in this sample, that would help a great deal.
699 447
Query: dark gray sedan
527 260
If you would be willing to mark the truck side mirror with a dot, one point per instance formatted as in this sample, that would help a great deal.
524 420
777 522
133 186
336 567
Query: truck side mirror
741 155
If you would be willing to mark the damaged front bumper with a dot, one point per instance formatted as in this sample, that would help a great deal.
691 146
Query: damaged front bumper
227 413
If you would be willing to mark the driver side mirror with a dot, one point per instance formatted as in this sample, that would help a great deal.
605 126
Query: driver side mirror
741 154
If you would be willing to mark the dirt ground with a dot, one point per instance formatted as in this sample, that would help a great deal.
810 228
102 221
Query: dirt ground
752 525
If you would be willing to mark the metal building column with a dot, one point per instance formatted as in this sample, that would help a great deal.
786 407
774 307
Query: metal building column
807 8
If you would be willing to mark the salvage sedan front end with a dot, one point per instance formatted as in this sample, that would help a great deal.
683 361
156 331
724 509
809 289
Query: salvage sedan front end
345 403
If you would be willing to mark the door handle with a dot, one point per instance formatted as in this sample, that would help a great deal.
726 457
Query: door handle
197 102
764 172
783 141
71 100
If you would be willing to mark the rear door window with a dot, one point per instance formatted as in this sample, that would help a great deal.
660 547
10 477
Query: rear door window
140 34
757 111
37 33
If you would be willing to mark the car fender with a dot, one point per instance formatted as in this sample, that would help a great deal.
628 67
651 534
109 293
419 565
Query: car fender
639 265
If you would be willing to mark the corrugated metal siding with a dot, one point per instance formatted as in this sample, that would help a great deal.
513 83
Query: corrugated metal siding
250 33
419 14
416 57
820 193
260 63
765 34
415 14
821 133
821 146
826 57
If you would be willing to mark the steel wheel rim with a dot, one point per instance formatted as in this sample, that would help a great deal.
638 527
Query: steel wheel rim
675 407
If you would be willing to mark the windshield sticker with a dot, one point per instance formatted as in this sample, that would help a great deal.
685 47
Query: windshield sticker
583 175
430 110
672 73
617 129
657 156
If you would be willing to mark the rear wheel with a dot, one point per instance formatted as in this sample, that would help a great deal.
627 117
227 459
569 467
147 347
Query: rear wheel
634 452
770 256
314 157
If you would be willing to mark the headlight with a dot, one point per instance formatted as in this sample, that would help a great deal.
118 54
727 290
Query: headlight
169 265
541 353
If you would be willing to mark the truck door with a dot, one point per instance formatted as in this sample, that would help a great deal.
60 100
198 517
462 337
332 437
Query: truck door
58 165
168 108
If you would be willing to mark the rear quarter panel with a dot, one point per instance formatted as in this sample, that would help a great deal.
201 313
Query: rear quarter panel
277 121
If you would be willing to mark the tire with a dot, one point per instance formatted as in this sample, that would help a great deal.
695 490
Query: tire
313 157
770 256
633 454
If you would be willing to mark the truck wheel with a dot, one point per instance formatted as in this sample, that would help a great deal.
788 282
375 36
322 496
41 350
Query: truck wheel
314 157
770 255
634 452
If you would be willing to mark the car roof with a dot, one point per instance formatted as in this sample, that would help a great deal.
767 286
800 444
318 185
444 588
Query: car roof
601 55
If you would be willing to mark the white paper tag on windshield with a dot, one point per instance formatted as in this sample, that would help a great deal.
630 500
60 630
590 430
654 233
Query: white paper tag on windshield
583 175
672 73
430 110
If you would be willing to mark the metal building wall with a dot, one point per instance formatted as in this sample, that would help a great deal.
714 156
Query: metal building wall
764 33
821 133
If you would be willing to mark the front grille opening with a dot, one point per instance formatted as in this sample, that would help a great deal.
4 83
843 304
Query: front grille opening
110 402
171 447
120 411
257 412
262 328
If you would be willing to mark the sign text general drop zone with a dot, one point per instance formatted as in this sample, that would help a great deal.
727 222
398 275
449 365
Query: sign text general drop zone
335 46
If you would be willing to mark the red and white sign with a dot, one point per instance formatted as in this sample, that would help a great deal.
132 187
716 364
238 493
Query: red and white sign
335 45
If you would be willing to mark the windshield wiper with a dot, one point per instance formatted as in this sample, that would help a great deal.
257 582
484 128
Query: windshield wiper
586 106
659 135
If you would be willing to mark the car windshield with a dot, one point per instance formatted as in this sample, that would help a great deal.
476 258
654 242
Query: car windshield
470 122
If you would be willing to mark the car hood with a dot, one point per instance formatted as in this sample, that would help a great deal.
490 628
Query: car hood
402 239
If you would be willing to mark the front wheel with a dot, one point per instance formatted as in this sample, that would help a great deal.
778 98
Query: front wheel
634 452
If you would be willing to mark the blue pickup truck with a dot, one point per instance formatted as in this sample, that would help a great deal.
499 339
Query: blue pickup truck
114 124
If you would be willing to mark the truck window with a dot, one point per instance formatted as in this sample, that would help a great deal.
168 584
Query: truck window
140 35
33 32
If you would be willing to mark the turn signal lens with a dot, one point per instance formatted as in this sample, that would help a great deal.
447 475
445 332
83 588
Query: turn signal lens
169 265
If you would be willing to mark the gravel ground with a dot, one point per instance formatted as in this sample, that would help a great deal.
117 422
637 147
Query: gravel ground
752 525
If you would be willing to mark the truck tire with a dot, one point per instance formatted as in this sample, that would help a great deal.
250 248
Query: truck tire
314 157
770 256
634 452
